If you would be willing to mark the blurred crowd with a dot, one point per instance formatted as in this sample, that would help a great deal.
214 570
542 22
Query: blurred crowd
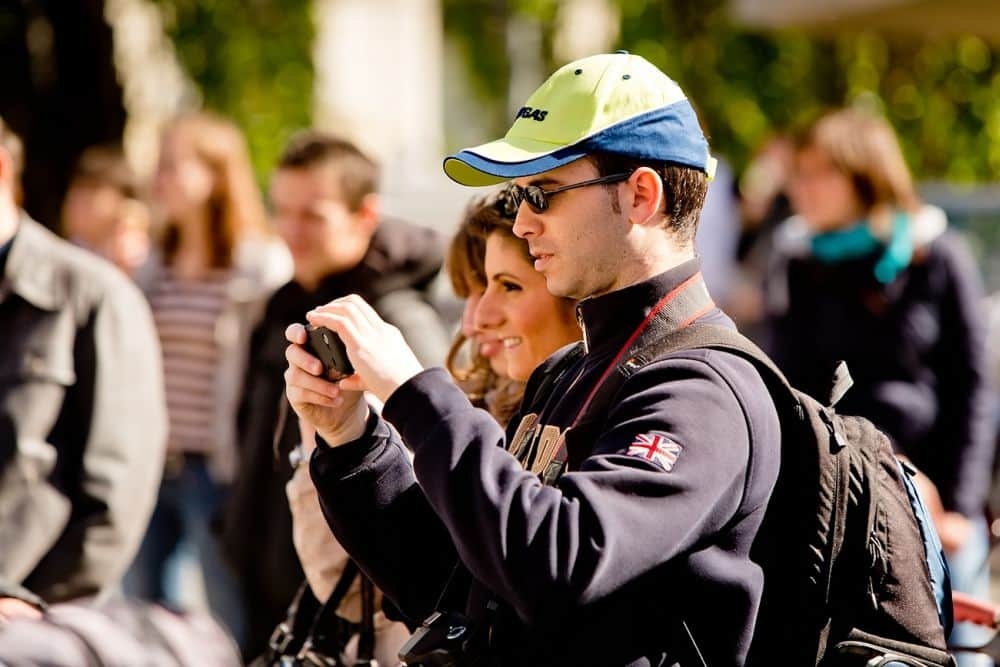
144 425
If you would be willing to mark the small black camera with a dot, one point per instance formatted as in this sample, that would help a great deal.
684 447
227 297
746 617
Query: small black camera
326 346
444 639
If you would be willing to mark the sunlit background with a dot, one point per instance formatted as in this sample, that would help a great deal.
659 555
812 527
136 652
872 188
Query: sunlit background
412 79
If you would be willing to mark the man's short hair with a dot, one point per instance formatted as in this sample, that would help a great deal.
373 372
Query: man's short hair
11 143
357 174
684 190
106 165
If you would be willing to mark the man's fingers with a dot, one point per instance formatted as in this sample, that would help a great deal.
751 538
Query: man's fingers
363 309
299 358
296 333
338 317
352 383
300 396
296 378
354 309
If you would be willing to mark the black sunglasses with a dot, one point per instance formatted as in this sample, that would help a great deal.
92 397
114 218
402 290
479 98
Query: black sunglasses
509 201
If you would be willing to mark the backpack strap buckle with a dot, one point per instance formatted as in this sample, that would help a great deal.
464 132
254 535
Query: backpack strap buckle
842 381
280 638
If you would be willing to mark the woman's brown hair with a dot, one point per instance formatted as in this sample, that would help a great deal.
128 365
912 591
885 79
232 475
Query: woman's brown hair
864 147
466 269
236 210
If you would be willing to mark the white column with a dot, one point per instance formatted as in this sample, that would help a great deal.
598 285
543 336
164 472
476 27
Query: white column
584 28
155 86
379 83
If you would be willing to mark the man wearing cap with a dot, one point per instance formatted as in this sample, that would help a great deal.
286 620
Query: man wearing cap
595 532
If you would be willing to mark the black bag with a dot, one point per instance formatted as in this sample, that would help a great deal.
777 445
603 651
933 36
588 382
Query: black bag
846 580
313 635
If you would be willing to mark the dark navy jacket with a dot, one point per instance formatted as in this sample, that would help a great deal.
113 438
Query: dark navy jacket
596 570
916 351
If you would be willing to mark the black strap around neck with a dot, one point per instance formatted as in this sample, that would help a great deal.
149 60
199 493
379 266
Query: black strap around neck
366 642
674 313
326 625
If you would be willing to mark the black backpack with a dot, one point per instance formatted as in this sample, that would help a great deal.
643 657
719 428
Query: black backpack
844 554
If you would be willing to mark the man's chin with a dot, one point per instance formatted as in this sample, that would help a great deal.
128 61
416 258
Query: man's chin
560 288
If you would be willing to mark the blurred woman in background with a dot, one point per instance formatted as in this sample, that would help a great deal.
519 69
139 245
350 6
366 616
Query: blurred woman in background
869 274
214 267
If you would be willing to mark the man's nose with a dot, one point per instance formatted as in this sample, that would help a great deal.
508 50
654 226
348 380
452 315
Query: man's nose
526 223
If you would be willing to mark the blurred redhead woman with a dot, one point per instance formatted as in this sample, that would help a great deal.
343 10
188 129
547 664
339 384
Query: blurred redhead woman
868 273
215 265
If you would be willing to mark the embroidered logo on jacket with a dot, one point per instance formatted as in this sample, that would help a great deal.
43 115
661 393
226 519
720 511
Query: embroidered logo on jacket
656 447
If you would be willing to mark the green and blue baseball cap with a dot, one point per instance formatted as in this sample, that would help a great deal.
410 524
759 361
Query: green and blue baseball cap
616 102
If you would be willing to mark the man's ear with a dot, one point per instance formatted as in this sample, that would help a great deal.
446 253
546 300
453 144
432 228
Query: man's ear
368 213
647 196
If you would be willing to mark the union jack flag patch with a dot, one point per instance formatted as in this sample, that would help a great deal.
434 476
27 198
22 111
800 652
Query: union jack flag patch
656 447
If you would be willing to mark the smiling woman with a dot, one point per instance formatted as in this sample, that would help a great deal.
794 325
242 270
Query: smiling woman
510 323
516 308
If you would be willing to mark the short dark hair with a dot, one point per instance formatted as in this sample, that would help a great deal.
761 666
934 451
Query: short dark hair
684 189
106 165
357 174
11 143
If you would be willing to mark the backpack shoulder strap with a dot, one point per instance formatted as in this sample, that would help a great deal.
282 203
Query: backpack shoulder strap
366 641
325 623
695 336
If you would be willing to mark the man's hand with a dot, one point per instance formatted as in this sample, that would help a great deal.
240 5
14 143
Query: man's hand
381 358
13 608
336 414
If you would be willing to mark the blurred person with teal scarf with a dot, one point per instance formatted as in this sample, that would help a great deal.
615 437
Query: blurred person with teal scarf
867 273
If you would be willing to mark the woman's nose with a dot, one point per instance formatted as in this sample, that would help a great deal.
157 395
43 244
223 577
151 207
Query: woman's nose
469 314
487 315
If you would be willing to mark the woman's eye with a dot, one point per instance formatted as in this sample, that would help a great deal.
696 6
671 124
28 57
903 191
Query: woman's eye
509 286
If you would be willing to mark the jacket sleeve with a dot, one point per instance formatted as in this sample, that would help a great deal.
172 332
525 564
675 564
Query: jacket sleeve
376 510
964 427
119 396
546 549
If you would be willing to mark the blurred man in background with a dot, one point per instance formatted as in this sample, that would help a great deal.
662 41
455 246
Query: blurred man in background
82 416
103 210
326 208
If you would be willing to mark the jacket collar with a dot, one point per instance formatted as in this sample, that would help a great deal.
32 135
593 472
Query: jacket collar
611 318
30 271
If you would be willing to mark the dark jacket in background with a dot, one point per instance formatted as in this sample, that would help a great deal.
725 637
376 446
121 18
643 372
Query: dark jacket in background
399 267
82 417
915 348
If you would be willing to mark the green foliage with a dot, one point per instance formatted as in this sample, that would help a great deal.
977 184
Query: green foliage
252 61
942 95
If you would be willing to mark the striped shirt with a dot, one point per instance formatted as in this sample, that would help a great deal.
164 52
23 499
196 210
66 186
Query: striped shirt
186 312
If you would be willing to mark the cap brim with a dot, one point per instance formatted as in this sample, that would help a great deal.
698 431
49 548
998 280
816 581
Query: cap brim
502 160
